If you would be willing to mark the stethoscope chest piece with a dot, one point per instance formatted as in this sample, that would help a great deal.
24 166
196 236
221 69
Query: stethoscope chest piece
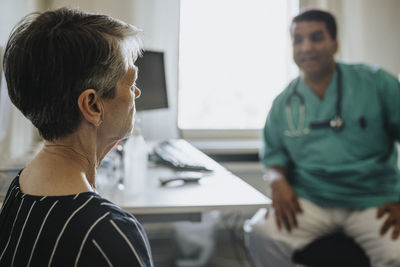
336 123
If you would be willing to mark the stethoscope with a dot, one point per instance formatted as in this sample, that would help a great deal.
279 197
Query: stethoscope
336 123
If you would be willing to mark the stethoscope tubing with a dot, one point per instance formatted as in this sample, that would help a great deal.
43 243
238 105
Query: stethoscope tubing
336 123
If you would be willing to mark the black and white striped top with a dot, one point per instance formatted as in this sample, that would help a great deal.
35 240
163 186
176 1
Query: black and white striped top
77 230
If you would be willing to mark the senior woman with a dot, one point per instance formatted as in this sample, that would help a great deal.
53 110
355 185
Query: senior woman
72 74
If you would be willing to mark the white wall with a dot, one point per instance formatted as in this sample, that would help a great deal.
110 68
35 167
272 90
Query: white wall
368 30
160 21
379 25
11 11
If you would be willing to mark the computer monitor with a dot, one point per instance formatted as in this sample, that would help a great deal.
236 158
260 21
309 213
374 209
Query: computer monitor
151 81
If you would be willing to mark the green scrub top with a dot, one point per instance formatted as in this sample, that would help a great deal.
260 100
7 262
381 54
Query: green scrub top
355 167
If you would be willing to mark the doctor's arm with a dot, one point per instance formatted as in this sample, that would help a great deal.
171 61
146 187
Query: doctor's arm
284 199
275 158
390 96
392 220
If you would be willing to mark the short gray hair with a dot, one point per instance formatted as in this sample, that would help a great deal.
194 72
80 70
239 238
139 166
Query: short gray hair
123 52
52 57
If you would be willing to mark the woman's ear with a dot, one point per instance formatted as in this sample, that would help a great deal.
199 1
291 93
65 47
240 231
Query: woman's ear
91 106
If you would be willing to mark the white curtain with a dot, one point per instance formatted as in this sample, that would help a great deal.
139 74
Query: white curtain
4 106
18 138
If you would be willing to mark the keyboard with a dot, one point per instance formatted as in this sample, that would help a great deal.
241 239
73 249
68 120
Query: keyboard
178 155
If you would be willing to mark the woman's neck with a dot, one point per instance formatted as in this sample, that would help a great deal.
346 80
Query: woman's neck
67 165
79 160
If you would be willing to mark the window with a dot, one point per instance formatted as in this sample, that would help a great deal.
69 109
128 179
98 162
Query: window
234 59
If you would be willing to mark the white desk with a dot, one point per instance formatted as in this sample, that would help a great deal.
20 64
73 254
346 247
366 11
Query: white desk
222 190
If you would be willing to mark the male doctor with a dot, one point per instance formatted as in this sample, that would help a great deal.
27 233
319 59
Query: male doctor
330 155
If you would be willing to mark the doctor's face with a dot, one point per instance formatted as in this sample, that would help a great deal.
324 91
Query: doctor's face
313 47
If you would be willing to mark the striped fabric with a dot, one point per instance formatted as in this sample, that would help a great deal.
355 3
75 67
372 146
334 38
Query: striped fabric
77 230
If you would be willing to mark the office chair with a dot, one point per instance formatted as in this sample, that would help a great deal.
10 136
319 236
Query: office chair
332 250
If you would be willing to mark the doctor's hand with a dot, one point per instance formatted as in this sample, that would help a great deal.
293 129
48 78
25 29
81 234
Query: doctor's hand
285 203
392 220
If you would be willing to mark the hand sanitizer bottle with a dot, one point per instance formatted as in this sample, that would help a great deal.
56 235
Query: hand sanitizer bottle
135 162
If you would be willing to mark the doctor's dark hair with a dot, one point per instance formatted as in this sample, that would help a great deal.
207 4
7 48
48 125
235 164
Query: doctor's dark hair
52 57
318 15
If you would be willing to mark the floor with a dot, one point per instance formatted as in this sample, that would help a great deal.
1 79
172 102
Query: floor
227 253
224 246
229 250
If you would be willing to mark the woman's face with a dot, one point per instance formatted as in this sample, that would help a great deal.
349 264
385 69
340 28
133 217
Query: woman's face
119 112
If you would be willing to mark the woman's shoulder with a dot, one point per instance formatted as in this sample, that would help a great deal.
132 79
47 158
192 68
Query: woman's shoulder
108 218
120 235
113 210
108 230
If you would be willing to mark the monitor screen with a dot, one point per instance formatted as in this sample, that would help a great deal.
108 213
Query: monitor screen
151 81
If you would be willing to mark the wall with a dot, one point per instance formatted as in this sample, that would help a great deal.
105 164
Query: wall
160 21
368 30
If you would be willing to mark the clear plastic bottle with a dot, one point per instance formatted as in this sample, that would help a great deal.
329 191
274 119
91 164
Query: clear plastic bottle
111 172
135 162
